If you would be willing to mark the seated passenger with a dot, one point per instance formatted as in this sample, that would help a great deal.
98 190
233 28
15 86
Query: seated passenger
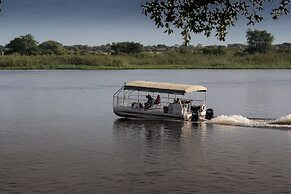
150 99
177 101
149 103
158 100
136 105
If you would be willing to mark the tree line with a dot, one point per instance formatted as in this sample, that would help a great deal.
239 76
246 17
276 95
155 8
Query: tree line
27 45
257 42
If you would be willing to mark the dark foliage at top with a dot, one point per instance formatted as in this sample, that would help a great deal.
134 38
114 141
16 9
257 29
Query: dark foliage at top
205 16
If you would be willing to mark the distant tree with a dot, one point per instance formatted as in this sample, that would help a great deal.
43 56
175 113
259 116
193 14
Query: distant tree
284 50
162 46
214 50
205 16
105 48
83 47
72 48
126 48
258 41
24 45
52 47
185 50
286 44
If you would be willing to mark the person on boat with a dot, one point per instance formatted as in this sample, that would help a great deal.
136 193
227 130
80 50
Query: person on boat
158 100
177 101
150 102
150 99
136 105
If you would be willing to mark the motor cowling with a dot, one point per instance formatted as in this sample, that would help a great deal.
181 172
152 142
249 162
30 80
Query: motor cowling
209 114
195 115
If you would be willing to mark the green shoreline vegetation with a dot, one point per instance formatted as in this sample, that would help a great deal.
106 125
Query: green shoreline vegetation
25 53
171 60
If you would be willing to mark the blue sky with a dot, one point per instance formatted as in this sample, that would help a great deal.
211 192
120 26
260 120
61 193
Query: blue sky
96 22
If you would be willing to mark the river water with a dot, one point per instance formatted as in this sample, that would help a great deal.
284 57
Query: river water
58 134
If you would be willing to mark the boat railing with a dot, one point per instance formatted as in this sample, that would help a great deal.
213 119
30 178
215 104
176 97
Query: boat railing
139 104
128 99
120 101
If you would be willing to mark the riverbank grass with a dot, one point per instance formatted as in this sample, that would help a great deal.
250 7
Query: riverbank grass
171 60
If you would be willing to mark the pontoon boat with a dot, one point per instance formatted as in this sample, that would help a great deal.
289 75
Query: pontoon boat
154 100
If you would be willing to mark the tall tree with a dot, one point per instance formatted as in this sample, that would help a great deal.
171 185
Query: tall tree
258 41
126 47
24 45
205 16
52 47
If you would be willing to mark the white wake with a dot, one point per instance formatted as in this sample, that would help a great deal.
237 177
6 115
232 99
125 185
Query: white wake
231 120
238 120
283 120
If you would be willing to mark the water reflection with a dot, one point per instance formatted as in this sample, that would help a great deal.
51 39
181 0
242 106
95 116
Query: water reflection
52 143
160 129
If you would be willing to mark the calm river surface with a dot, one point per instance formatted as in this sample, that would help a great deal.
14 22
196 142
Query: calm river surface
58 134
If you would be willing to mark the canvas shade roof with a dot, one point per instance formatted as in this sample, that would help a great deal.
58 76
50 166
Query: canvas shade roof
163 87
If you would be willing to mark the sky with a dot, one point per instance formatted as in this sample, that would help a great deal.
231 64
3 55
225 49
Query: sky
97 22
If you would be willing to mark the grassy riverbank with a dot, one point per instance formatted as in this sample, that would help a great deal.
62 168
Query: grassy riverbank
171 60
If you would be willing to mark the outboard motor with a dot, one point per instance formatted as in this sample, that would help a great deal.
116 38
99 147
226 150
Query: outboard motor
195 115
209 114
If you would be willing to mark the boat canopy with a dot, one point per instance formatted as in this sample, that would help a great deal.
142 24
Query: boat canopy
163 87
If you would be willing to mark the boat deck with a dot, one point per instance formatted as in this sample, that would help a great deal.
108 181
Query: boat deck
153 112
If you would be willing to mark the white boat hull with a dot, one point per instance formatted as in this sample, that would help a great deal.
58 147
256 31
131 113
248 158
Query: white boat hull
135 113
